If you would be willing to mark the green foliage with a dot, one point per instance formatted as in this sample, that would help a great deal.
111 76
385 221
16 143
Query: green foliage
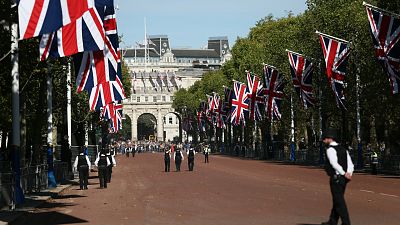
266 43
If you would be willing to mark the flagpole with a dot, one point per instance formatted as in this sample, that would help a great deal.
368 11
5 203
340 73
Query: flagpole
321 147
69 109
50 172
292 144
16 130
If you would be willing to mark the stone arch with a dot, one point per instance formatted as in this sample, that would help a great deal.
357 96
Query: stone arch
172 136
146 126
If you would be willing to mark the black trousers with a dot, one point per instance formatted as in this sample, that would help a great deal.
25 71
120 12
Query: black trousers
103 176
109 172
167 165
83 176
127 154
178 165
206 158
339 208
190 163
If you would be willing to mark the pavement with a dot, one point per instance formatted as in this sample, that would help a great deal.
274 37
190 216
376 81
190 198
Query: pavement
32 202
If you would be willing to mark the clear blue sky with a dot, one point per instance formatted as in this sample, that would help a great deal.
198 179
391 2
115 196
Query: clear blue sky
189 23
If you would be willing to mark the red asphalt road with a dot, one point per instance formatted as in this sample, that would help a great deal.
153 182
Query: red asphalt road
226 191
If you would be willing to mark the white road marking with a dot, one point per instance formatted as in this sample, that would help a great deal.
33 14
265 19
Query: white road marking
395 196
367 191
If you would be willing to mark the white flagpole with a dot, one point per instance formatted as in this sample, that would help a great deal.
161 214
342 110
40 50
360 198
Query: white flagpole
16 135
49 106
69 109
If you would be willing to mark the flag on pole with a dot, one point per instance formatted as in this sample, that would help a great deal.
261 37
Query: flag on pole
85 34
37 17
240 103
256 97
227 103
385 30
105 93
302 71
336 53
273 90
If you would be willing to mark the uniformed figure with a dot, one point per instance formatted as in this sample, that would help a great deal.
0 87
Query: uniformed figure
178 157
134 149
374 163
128 150
206 153
167 159
339 168
190 154
102 162
82 165
111 158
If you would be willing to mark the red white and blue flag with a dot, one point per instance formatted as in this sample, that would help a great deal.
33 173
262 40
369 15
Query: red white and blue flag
113 113
37 17
221 115
273 90
85 34
385 30
240 103
336 52
201 123
256 97
211 108
302 71
106 93
227 106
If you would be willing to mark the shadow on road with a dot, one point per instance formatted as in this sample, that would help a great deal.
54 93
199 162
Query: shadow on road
47 218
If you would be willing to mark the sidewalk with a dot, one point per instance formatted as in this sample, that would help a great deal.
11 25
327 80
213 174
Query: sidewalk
32 201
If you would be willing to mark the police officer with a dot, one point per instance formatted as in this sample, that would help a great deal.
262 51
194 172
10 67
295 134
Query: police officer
206 153
128 150
82 165
190 154
113 163
374 163
167 159
178 157
102 162
339 168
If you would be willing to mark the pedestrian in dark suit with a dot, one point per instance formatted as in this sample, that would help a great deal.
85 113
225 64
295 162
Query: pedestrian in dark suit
339 168
82 165
190 155
178 157
167 160
102 162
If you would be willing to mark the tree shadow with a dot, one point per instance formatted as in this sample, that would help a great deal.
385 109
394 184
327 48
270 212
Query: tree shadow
47 218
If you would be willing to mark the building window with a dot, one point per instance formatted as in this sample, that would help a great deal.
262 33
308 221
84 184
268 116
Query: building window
165 122
154 99
171 98
146 99
170 120
163 98
138 99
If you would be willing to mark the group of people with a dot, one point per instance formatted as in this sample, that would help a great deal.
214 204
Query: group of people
105 161
178 157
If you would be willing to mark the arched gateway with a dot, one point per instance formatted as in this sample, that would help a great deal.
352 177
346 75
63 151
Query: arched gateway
158 71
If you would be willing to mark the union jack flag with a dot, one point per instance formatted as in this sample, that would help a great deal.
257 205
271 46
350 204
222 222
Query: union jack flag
336 53
85 34
227 103
105 93
256 97
273 90
113 113
302 70
201 125
385 30
240 103
211 108
37 17
221 115
97 67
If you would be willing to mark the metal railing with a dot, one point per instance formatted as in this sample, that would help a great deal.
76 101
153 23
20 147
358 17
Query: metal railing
34 178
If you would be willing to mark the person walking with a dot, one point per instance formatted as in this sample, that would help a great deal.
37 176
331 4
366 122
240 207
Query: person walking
167 159
374 163
128 150
339 168
82 165
102 162
206 153
191 153
109 167
178 157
